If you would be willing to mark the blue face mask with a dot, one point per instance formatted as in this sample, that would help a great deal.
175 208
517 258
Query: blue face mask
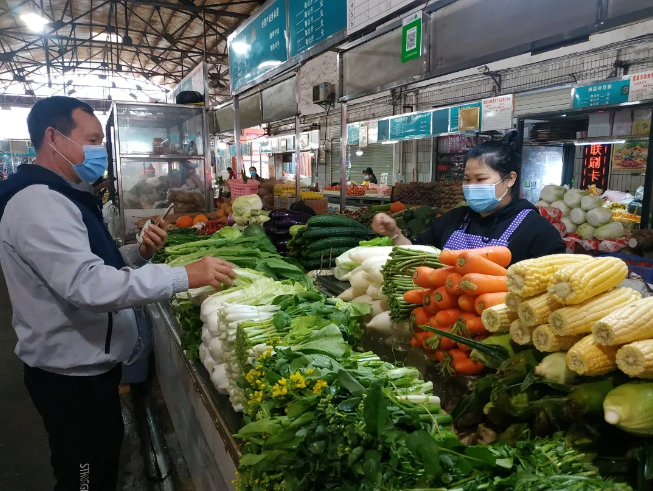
252 173
482 197
95 161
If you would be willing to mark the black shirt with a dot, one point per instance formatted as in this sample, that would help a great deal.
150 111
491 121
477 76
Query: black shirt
373 179
535 237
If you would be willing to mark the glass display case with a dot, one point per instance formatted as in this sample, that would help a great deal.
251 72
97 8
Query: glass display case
159 155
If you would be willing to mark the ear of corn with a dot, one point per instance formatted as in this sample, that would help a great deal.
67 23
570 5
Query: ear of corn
536 310
633 322
520 333
579 282
530 277
513 300
544 340
636 359
587 357
579 319
498 318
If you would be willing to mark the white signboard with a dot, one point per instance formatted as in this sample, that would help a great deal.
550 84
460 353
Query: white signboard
362 13
362 135
497 113
373 132
641 87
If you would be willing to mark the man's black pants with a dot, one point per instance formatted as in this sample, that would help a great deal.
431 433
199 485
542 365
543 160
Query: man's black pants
84 423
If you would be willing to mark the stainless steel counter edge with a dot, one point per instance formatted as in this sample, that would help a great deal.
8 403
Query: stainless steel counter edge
199 376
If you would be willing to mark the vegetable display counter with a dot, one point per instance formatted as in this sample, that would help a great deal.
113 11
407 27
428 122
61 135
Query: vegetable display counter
204 420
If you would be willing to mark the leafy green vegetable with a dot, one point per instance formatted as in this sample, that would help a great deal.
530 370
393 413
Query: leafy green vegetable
379 241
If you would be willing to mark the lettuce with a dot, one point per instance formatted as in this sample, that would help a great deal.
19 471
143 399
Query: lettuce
612 230
598 216
586 231
244 205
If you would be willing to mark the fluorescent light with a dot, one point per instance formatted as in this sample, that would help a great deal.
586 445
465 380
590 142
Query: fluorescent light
222 145
267 64
105 36
359 153
607 142
34 22
240 48
390 142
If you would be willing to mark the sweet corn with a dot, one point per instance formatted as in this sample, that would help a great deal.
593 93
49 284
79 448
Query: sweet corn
536 310
513 301
587 357
498 318
579 319
633 322
636 359
520 333
579 282
530 277
544 340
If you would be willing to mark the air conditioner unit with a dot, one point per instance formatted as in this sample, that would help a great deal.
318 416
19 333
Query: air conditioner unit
323 93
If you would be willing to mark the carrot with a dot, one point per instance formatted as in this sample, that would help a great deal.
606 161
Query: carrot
464 348
449 257
446 343
415 296
429 303
466 302
435 341
416 341
468 367
476 284
453 284
447 317
439 355
438 277
444 299
420 317
497 254
488 300
433 322
471 262
457 355
421 276
473 325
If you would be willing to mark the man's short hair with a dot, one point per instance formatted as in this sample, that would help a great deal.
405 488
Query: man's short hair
56 112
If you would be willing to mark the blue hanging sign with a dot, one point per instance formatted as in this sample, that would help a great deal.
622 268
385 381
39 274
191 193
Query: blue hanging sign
602 94
260 46
411 126
312 21
440 122
384 130
352 134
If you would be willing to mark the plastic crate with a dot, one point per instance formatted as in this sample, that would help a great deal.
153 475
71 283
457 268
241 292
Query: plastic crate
239 188
646 273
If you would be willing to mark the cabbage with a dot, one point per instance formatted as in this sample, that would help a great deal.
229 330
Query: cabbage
573 197
560 205
229 233
590 202
543 203
569 225
577 216
244 205
598 216
586 231
612 230
552 193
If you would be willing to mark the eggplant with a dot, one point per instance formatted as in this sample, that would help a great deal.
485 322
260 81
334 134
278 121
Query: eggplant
299 217
268 225
287 222
279 233
282 245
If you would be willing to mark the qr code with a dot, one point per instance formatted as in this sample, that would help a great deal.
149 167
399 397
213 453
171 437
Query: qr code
411 39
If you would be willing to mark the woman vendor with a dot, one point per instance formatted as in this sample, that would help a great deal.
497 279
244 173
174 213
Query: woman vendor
492 217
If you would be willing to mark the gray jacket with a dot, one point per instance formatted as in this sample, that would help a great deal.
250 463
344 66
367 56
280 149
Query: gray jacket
61 292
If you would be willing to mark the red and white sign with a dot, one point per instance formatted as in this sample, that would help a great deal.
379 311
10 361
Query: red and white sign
641 87
497 113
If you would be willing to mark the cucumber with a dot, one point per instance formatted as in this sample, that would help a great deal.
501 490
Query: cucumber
324 232
334 221
380 208
324 253
329 242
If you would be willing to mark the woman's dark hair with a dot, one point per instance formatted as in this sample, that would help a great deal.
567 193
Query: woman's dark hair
502 156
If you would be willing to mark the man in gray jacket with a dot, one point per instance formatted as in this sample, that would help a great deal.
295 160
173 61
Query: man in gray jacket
73 291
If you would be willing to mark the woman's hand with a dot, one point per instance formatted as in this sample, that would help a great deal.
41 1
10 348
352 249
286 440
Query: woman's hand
385 225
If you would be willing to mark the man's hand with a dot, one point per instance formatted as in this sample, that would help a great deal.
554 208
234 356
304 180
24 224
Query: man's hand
211 271
154 238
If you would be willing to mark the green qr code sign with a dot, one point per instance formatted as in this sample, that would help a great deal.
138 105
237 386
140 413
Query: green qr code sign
411 37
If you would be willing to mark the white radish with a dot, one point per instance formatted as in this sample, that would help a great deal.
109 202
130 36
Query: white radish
206 336
363 253
348 276
376 308
219 378
374 262
363 299
374 291
216 350
382 323
349 294
361 281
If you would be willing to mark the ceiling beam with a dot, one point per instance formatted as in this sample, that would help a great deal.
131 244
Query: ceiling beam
192 8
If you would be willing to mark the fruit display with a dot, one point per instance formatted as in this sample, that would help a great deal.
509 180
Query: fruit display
354 190
436 194
288 191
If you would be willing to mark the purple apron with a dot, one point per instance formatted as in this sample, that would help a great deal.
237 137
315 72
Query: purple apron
461 240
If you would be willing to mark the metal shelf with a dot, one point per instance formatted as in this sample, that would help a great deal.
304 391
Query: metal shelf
161 157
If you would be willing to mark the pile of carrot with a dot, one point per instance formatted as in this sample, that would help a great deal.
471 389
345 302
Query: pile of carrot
453 298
